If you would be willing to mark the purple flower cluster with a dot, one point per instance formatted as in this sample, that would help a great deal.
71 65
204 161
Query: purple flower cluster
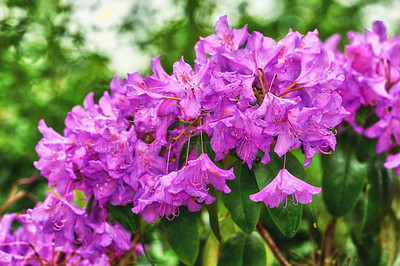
57 232
371 66
247 92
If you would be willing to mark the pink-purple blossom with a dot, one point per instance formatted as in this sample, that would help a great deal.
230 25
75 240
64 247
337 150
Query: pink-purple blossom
281 186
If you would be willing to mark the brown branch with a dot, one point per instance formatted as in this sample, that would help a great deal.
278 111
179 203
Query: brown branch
329 236
270 242
28 180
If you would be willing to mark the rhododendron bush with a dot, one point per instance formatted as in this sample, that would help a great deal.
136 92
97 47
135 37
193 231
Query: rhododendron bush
214 158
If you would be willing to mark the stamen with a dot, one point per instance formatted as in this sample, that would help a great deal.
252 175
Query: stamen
180 135
201 138
102 211
324 152
161 210
295 198
321 133
59 224
169 152
284 164
172 213
14 243
177 212
272 81
172 98
257 95
262 84
286 195
244 148
197 184
69 186
291 89
265 80
296 133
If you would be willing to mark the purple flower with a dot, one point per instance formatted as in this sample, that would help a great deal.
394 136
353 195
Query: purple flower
139 250
279 121
162 196
225 39
201 172
393 161
59 218
54 162
387 129
114 237
371 67
230 128
16 249
285 184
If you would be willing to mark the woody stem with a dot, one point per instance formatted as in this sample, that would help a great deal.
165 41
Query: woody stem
270 242
183 131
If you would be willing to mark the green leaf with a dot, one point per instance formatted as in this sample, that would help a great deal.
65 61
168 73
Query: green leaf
125 217
286 219
365 148
366 116
243 250
89 205
314 207
211 251
343 176
378 196
368 244
213 213
227 226
244 212
80 198
183 235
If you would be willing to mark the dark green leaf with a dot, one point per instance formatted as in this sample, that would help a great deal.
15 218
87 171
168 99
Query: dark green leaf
362 115
269 224
90 205
244 211
368 243
243 250
183 235
286 219
378 195
125 217
227 226
365 148
369 249
366 116
314 207
213 213
343 176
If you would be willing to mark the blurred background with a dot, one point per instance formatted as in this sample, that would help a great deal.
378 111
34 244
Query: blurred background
53 53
